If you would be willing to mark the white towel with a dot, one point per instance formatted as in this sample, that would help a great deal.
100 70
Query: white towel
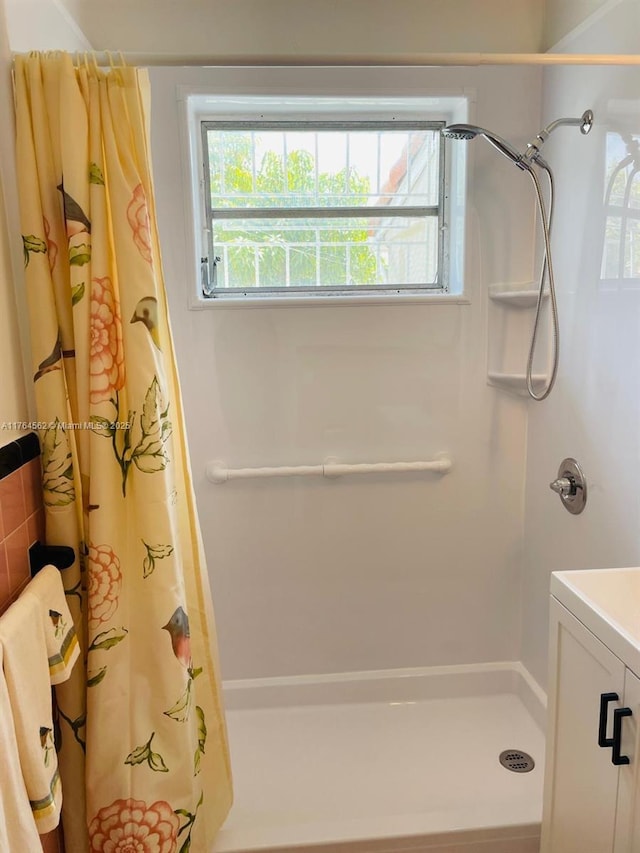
62 643
26 671
17 827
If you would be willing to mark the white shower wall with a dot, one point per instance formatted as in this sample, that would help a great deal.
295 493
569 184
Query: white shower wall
594 411
375 572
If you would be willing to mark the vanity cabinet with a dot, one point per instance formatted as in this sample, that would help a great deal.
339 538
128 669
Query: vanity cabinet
591 805
627 834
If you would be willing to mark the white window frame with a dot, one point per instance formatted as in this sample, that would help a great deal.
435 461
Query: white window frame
438 108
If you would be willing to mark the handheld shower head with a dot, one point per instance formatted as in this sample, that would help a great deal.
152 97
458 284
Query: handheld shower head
460 131
470 131
526 162
532 152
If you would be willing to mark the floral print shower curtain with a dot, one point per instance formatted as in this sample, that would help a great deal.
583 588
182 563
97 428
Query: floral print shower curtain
143 747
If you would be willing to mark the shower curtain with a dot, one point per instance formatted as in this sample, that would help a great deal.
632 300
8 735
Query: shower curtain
143 747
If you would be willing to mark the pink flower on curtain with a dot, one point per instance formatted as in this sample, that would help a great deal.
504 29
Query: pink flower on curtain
105 580
107 355
138 216
130 826
52 248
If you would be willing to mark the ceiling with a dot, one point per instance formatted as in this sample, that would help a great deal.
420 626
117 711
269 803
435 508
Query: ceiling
305 27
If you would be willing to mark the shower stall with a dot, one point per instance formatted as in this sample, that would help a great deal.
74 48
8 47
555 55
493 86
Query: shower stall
383 637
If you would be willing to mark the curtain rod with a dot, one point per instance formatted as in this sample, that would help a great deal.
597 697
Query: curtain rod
106 58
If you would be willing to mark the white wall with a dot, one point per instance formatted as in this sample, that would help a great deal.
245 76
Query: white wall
375 572
289 27
43 25
594 412
563 16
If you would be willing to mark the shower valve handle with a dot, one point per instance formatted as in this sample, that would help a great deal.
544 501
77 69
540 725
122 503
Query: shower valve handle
570 486
564 486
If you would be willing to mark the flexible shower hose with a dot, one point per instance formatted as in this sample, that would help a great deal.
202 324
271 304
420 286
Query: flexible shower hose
547 269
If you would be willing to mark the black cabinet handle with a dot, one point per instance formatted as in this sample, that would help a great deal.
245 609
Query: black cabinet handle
605 698
618 714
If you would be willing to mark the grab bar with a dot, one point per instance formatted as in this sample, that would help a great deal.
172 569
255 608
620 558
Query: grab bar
218 473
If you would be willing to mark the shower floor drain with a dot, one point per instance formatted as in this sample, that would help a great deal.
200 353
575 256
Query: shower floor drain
516 760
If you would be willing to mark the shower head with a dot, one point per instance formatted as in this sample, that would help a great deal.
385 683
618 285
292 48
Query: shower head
460 131
532 152
584 122
470 131
525 162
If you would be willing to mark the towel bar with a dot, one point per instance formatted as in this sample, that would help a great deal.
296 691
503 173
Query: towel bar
49 555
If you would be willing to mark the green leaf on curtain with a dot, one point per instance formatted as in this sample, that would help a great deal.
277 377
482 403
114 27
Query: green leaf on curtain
191 819
102 426
62 494
95 174
97 677
57 467
156 763
144 753
153 405
151 461
77 292
32 244
79 255
150 454
202 739
154 552
202 728
140 754
107 639
182 708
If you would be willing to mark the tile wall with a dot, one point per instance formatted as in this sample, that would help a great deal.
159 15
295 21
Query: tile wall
21 524
21 513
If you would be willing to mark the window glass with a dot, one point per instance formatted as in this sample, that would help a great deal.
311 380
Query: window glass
301 206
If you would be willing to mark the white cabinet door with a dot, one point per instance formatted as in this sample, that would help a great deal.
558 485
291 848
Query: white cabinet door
628 813
581 783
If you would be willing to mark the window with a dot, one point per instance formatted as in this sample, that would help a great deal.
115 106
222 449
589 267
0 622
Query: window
621 251
316 197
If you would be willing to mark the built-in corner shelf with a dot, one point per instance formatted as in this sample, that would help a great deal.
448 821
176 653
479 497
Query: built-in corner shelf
518 296
516 383
509 336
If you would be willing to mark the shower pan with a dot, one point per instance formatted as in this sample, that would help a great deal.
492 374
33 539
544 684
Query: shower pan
389 761
529 161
